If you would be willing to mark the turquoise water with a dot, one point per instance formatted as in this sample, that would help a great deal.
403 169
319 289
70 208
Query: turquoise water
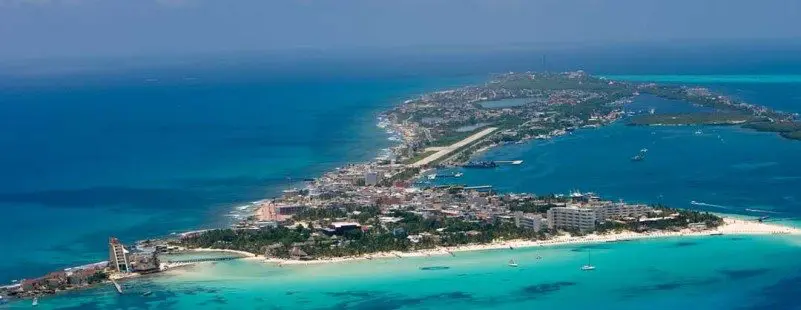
166 157
724 272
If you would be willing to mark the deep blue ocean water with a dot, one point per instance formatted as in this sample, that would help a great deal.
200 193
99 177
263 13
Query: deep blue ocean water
139 155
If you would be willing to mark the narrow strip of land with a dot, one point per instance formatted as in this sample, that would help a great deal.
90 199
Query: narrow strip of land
445 151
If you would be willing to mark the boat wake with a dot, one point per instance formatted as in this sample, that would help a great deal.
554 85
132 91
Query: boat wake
762 211
703 204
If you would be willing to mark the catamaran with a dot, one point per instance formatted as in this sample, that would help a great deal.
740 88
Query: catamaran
512 263
589 265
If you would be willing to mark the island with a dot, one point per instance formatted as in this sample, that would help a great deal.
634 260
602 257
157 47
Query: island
388 208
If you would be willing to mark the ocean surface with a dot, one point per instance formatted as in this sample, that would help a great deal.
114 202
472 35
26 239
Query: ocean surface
137 158
145 156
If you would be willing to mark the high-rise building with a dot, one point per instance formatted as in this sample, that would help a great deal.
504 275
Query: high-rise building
572 217
117 256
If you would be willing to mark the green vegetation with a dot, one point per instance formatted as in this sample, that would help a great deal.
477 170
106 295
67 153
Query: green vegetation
681 221
690 119
452 137
774 126
429 232
418 157
404 175
97 277
787 129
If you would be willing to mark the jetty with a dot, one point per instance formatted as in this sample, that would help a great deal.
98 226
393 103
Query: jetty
117 286
479 187
508 162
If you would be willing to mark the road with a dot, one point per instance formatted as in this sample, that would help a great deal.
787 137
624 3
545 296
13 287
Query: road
445 151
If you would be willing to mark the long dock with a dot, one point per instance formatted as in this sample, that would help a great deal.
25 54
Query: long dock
445 151
200 260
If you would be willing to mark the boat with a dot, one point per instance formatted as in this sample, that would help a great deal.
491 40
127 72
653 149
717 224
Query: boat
435 268
458 175
643 150
35 302
588 266
699 132
148 293
638 157
432 176
512 263
517 162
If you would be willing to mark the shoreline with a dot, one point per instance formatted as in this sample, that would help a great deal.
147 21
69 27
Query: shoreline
731 226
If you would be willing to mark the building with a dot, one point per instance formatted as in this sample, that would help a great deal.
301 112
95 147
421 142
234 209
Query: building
287 210
144 262
117 256
572 217
620 210
371 178
528 221
339 228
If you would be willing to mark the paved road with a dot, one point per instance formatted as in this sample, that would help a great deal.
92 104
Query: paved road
445 151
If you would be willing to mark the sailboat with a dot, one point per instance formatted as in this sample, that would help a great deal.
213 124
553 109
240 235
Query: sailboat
35 301
589 265
512 263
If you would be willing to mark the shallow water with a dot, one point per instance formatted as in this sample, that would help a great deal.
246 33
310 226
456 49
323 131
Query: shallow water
725 272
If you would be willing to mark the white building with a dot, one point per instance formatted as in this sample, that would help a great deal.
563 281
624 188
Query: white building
528 221
620 210
117 256
572 217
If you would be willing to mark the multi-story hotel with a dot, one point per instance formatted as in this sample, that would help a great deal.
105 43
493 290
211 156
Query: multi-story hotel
572 217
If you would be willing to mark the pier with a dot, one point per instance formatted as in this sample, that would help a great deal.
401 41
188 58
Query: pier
201 260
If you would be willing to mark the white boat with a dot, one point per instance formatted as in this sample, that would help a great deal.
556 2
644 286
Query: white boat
458 175
512 263
431 176
699 132
588 266
644 150
35 302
